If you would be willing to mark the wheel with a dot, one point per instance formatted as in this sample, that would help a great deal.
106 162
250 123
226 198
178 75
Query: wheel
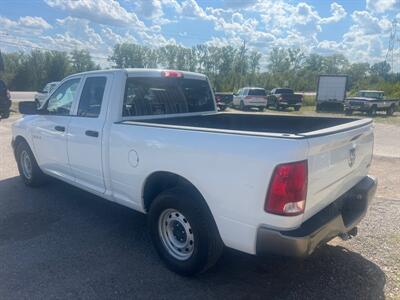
372 111
184 232
28 168
261 108
390 110
5 115
348 112
297 108
318 108
241 106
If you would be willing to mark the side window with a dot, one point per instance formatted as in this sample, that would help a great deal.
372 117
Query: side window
92 97
61 100
244 92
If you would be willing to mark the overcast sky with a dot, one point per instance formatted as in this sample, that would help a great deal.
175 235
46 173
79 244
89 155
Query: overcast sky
357 28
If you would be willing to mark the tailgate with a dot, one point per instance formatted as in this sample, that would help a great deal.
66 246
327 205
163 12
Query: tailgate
336 163
291 98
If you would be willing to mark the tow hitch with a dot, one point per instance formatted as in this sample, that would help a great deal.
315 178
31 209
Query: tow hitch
348 235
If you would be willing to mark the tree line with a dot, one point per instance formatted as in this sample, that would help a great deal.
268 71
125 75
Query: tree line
228 68
31 71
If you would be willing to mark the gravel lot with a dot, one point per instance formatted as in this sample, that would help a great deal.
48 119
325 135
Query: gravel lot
60 242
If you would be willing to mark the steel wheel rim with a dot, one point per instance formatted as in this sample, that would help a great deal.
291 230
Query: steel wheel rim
26 164
176 234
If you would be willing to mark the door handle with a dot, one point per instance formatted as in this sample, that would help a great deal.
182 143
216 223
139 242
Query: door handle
60 128
92 133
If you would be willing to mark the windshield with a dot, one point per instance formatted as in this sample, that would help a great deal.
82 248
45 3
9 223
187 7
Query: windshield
257 92
375 95
159 96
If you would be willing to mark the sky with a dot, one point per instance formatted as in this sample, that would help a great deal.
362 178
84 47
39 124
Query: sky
359 29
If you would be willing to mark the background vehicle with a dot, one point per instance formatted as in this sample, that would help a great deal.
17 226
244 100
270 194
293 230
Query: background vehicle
249 97
5 101
331 92
153 141
282 98
223 100
370 101
42 95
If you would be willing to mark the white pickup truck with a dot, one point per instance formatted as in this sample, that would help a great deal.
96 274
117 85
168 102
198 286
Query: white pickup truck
153 141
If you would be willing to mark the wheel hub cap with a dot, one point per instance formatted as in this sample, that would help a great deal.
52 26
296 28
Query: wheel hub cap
176 234
26 164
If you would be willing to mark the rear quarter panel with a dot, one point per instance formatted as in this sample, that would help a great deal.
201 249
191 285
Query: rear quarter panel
231 171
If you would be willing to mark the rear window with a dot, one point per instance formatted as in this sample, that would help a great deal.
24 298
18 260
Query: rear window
284 91
159 96
257 92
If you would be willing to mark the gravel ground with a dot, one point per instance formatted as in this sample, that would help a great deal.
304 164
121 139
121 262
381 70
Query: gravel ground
60 242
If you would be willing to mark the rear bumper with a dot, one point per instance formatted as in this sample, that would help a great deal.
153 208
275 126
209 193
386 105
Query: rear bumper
290 104
339 217
5 105
256 104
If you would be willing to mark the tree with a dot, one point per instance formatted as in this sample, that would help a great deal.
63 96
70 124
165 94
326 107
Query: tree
82 61
1 63
128 55
381 69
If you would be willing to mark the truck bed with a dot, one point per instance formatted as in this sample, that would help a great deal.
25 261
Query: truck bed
257 123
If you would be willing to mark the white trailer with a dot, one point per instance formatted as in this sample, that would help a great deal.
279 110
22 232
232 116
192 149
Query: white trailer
331 92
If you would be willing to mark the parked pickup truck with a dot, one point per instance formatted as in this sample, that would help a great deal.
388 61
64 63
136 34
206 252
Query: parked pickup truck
370 102
282 98
223 100
153 141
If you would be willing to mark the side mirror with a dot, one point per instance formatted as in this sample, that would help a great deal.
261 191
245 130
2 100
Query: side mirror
28 108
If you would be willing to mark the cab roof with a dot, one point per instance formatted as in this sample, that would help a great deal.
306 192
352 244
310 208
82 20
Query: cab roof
141 72
370 91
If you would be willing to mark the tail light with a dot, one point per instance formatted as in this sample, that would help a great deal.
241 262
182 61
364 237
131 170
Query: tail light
172 74
288 189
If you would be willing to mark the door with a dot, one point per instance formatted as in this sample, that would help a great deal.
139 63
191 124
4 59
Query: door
50 130
86 131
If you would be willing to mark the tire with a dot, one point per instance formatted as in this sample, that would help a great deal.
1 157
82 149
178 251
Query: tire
192 222
5 115
348 112
390 111
242 106
297 108
318 108
261 108
28 168
372 111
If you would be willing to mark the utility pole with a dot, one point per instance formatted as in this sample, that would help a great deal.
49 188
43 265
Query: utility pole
242 53
393 52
